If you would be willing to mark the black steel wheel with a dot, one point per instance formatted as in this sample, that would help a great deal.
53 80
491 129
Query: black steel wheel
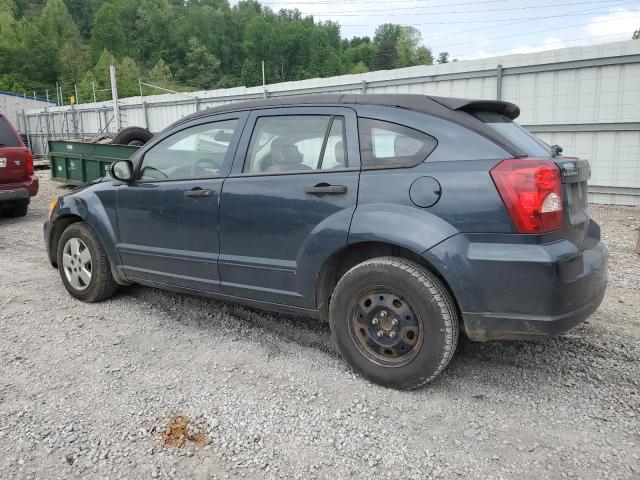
394 321
385 327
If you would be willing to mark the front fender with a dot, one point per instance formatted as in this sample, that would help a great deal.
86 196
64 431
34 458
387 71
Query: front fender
412 228
96 206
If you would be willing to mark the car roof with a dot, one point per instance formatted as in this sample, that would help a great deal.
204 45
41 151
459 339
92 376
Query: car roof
448 108
420 103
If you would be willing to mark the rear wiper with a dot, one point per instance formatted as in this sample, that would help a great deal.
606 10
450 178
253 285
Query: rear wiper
556 150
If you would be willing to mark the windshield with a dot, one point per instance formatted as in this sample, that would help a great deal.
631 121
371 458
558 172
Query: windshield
527 142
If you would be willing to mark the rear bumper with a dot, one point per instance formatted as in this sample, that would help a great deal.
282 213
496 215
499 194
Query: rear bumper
482 327
19 191
13 195
522 291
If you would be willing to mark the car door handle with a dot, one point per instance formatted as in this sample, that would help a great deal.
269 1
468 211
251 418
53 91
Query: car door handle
326 189
199 192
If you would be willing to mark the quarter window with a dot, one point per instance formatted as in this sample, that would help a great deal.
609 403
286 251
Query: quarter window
7 137
296 143
385 144
195 152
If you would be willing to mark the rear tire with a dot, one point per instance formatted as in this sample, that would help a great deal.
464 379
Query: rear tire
19 210
83 264
394 321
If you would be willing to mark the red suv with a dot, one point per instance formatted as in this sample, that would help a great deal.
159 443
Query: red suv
18 183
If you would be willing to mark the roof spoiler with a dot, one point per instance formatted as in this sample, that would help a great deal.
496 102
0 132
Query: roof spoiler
508 109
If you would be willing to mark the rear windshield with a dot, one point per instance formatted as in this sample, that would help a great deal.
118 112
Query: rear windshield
527 142
7 137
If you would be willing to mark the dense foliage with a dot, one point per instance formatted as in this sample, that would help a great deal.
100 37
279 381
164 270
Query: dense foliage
182 44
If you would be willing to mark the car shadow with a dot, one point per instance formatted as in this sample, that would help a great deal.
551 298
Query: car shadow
561 360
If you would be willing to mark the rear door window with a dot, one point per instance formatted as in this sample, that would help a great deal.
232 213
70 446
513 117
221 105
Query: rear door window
297 143
7 136
386 144
503 125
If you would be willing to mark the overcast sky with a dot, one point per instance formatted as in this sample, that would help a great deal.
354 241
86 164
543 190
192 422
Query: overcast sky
481 28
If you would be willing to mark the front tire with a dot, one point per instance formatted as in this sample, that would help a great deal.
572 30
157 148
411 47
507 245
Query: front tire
83 265
394 321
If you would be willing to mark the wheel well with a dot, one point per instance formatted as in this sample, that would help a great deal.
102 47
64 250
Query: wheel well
343 260
59 226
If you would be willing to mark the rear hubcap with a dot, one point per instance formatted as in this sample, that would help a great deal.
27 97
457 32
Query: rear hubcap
77 264
385 327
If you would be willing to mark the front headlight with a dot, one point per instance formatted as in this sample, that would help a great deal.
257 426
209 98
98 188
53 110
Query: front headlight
52 205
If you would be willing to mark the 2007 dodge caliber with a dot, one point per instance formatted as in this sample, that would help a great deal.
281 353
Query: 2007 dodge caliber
403 219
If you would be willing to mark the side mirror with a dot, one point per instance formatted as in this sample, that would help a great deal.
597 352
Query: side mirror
122 171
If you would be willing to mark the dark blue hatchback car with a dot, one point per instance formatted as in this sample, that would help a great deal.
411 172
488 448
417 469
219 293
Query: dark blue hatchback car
403 219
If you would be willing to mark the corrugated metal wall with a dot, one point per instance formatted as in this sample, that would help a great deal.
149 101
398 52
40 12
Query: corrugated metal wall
13 104
586 99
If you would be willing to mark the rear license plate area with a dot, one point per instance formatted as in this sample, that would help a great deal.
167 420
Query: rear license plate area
577 202
3 162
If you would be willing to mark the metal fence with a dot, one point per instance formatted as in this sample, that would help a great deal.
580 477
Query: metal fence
586 99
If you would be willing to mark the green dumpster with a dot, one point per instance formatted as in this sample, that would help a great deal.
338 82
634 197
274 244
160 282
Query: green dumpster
77 163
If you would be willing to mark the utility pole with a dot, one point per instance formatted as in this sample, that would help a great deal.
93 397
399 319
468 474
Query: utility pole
264 83
114 96
95 104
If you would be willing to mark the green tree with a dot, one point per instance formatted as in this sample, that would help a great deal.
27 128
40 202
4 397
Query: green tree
99 77
73 58
42 66
360 67
386 40
259 45
82 12
57 23
201 65
636 35
154 35
128 76
11 83
184 44
107 32
409 48
360 52
161 74
11 41
443 57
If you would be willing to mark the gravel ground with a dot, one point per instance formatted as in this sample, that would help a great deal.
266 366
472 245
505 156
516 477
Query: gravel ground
157 385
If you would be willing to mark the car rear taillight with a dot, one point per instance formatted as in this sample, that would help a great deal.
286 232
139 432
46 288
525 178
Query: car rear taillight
531 189
28 162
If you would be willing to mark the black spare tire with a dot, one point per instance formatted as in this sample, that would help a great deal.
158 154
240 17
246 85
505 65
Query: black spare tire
135 136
